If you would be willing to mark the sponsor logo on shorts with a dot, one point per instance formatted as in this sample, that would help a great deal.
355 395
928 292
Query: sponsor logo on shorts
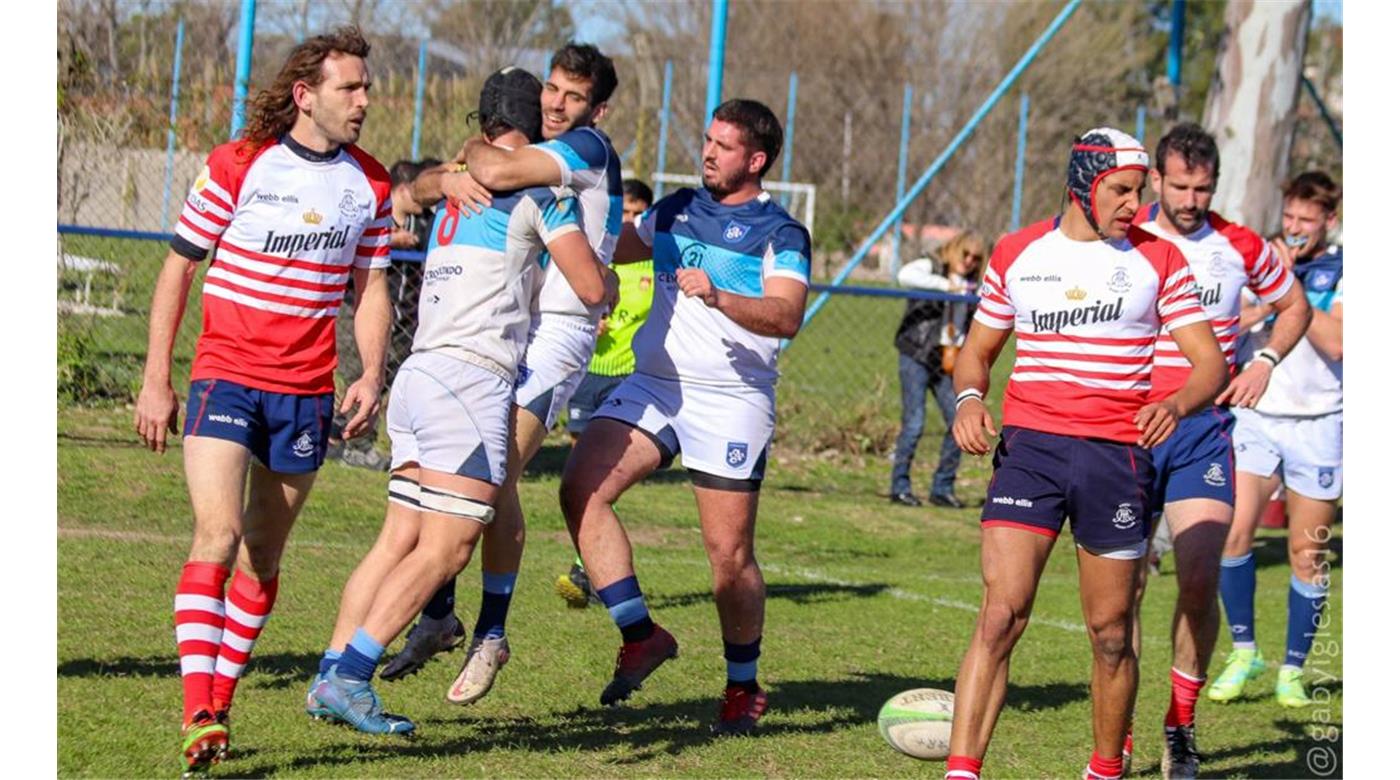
1009 501
734 232
303 446
1325 477
1119 281
1215 475
227 419
1124 518
737 453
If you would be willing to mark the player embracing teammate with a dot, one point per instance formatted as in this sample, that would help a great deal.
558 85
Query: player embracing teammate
1087 294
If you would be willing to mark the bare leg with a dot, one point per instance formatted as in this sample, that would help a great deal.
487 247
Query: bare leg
504 540
727 524
1199 528
216 471
396 540
609 458
1106 590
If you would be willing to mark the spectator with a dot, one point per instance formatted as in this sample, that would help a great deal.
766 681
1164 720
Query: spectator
928 339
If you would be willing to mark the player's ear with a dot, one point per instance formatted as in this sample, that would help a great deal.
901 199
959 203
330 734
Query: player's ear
599 111
1156 181
756 161
301 95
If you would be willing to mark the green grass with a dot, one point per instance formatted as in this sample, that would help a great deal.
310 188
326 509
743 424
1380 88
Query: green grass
865 600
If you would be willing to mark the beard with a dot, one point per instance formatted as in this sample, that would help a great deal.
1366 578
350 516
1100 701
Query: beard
1182 220
720 185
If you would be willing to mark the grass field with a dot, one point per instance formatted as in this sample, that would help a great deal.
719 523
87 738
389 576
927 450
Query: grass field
865 600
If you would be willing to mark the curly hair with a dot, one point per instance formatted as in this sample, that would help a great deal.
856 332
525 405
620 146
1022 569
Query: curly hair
272 112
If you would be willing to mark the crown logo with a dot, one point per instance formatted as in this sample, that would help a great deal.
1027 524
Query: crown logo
1075 294
313 218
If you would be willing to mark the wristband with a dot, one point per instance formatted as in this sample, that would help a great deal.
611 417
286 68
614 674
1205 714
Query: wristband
967 395
1268 355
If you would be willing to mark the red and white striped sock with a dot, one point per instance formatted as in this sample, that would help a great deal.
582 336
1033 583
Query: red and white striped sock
199 627
1185 690
246 609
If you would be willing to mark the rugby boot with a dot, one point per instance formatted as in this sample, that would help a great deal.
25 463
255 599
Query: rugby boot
202 740
314 708
1243 665
485 657
635 662
574 588
426 639
221 714
1289 688
740 711
1180 761
355 703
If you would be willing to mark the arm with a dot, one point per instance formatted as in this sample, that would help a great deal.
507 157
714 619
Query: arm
1252 313
498 168
778 313
1325 332
631 248
450 180
919 275
372 315
157 410
972 421
1197 342
581 268
1249 384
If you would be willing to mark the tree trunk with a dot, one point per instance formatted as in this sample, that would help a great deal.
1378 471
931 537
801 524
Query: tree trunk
1252 106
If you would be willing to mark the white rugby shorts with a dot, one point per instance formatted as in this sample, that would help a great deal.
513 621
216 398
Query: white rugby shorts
556 358
450 416
723 431
1306 450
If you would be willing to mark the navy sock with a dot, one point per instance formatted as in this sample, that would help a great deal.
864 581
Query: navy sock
1305 603
742 661
628 609
328 660
495 603
1237 593
440 605
360 657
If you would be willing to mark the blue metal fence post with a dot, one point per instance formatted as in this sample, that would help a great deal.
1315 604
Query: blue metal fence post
788 134
170 131
719 25
244 65
937 165
899 179
665 125
1322 109
418 97
1142 123
1020 162
1177 42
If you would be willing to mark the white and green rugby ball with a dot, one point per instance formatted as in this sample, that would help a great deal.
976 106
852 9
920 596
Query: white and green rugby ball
919 723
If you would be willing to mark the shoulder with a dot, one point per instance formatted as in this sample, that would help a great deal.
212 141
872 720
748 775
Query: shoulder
587 143
1158 250
374 170
1012 245
1245 241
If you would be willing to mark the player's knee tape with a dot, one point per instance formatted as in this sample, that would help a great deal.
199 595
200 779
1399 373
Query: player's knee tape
1131 552
449 502
405 492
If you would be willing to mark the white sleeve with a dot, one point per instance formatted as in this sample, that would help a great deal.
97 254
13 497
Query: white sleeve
919 275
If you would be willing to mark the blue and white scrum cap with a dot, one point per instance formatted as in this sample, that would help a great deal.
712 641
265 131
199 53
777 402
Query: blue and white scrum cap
1096 154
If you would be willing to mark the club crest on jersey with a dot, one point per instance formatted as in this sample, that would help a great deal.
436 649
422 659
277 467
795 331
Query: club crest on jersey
1321 280
1119 281
1217 264
348 209
1124 518
303 447
1325 477
736 453
734 232
1215 475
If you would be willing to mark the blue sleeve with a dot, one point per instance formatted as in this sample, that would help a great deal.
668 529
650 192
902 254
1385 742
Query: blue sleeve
792 251
580 149
562 212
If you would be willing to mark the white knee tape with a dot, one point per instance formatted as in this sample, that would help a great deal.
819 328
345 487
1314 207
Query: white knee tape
405 492
452 503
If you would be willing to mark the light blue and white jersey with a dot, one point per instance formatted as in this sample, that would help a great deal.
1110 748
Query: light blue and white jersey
739 247
590 167
482 275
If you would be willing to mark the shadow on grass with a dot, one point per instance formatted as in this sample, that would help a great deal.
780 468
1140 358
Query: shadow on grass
103 440
285 669
1311 757
804 593
648 731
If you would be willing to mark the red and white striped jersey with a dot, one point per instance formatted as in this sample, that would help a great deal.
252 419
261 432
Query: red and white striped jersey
287 225
1226 259
1086 314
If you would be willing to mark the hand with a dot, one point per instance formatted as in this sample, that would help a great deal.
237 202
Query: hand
1156 421
1286 254
1248 386
611 291
402 239
695 283
157 413
971 426
363 397
462 189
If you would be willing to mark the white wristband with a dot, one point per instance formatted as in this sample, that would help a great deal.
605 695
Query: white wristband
967 395
1267 355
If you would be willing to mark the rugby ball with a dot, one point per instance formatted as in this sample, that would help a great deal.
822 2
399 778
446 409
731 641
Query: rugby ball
919 723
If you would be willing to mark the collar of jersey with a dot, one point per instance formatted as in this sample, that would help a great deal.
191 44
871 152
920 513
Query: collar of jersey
310 155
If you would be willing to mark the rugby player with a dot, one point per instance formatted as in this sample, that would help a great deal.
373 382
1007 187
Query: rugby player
291 210
1195 476
731 270
1087 294
1293 434
577 155
449 411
